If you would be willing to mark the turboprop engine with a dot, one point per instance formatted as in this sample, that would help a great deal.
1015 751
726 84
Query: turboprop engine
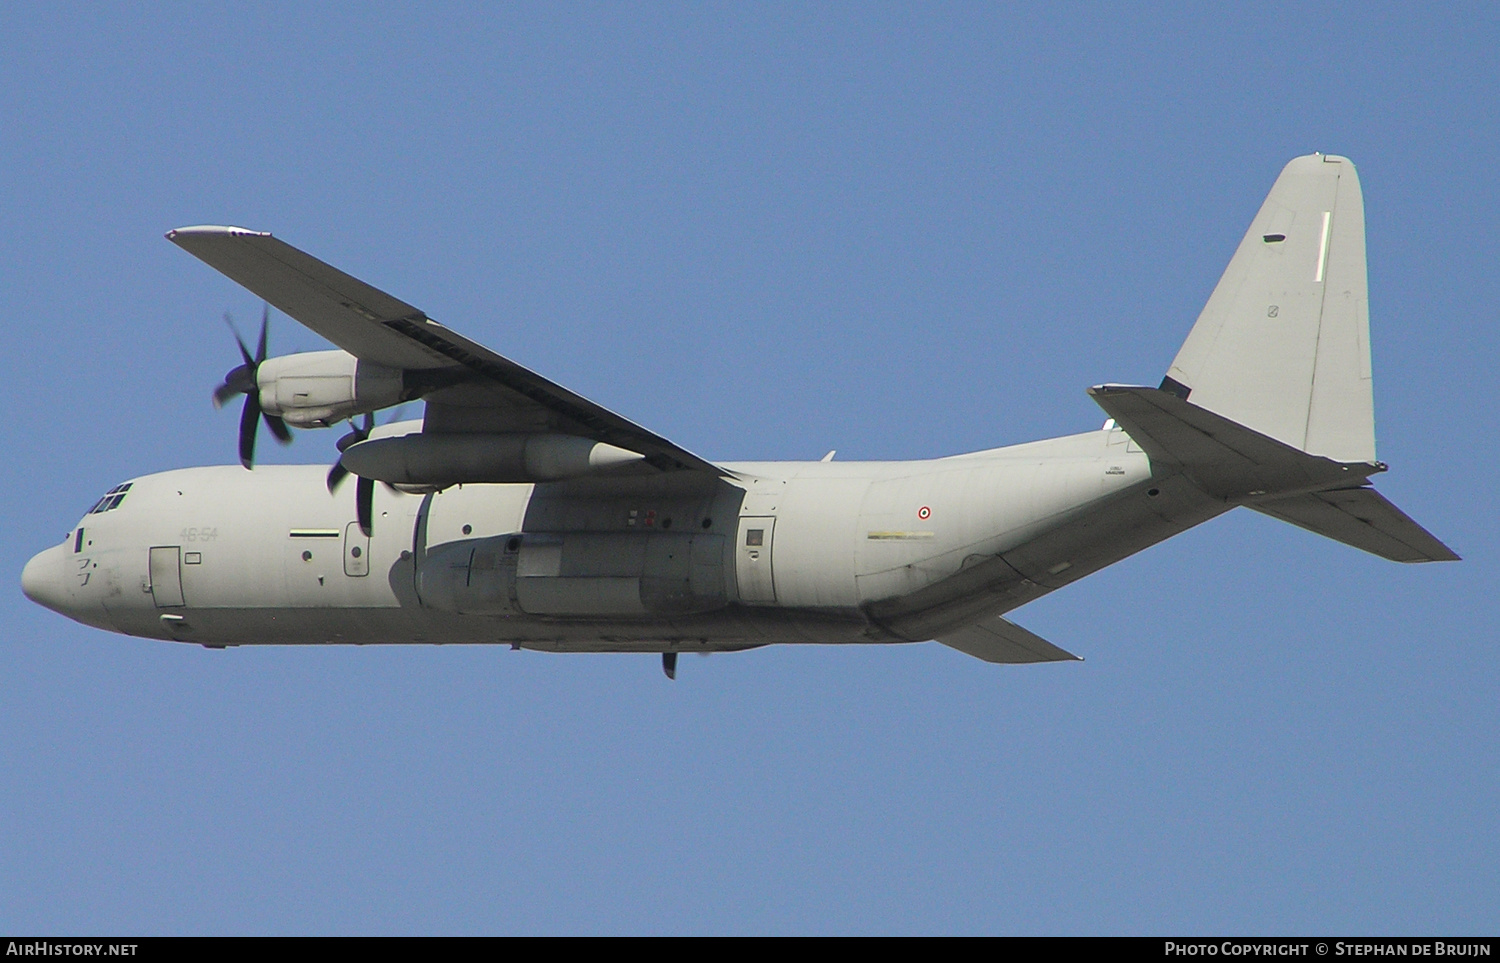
315 389
310 390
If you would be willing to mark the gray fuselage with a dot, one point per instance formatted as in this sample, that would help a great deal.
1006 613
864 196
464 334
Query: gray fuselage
778 552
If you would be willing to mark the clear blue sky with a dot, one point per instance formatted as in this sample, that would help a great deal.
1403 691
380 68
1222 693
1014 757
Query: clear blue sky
764 231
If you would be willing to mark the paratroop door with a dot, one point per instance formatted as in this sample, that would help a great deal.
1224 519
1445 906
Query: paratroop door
752 562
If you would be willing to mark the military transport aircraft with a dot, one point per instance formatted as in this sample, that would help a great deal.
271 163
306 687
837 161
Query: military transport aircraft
518 512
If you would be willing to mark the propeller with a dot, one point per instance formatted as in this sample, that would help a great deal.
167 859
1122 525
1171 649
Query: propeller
357 434
241 381
364 491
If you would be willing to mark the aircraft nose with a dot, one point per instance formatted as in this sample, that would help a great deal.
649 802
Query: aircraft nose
42 579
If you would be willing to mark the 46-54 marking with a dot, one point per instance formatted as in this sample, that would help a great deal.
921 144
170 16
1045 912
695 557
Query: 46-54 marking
205 534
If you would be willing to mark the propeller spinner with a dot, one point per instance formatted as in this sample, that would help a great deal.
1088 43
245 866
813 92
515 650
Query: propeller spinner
242 381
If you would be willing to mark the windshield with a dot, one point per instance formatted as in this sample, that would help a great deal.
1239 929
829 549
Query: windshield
111 499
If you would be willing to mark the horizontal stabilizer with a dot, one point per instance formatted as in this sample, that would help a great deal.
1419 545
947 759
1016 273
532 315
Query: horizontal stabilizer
1239 464
1361 517
1001 641
1223 457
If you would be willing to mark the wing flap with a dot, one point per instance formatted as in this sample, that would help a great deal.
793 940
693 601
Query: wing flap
1006 643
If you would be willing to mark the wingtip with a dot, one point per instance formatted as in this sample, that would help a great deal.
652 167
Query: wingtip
212 230
1447 555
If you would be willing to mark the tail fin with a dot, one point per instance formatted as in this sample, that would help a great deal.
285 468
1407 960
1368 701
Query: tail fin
1269 403
1283 345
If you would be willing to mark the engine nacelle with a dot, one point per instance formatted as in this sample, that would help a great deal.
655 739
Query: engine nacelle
315 389
443 460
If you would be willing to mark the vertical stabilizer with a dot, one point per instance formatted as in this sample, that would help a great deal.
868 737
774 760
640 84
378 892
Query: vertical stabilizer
1283 345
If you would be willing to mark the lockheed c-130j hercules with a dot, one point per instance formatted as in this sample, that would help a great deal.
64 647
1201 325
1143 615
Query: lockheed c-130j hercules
518 512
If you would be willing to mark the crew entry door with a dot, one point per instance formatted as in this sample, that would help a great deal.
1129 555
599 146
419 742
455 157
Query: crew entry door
752 563
166 576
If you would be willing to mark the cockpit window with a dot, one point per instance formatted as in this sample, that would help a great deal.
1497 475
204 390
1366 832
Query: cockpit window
111 499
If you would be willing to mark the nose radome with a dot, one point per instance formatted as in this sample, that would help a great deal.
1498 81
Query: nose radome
42 579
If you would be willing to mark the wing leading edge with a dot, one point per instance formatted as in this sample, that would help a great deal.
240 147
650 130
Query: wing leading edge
467 387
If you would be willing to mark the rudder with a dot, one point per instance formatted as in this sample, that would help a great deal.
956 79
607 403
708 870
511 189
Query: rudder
1283 344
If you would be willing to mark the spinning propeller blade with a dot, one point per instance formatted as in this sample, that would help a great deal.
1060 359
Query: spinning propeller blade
364 492
242 381
364 505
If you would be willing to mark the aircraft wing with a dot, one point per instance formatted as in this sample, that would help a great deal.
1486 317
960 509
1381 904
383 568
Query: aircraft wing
470 387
